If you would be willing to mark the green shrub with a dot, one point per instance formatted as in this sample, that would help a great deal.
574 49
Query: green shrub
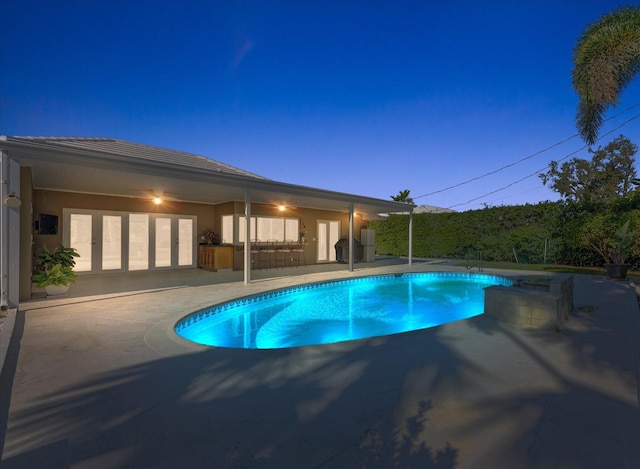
497 231
554 232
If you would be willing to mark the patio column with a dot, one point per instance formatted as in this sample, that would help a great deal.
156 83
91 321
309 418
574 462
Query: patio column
9 232
351 247
411 236
247 237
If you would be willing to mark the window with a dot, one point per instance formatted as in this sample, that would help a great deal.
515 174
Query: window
270 229
227 229
262 229
242 229
291 229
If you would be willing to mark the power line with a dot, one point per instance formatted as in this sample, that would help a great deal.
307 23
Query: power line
519 180
497 170
540 170
536 188
521 159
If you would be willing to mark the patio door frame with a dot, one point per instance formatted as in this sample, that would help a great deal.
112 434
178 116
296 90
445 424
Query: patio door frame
97 217
329 254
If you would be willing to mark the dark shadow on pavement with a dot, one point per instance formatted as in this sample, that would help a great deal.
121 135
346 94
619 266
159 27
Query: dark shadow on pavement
326 406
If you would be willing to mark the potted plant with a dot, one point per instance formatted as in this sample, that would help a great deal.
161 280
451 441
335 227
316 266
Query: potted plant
55 269
617 267
210 237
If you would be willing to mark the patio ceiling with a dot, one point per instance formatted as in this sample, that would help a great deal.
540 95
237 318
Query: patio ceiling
96 170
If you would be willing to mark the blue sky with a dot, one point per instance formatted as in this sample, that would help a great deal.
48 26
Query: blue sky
365 97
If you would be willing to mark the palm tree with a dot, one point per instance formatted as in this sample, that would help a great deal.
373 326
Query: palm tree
403 196
606 59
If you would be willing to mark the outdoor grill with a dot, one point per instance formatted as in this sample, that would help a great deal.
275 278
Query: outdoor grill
342 250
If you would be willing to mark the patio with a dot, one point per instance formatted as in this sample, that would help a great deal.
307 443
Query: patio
98 379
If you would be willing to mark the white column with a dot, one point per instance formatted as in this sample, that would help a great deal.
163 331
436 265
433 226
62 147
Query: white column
9 233
351 247
247 237
4 232
411 236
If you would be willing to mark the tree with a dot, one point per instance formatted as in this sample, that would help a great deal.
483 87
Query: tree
606 59
403 196
610 173
608 234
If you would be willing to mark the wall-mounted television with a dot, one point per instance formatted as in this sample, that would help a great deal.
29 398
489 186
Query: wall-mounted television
47 224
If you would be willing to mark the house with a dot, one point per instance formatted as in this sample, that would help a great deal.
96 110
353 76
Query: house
415 209
127 206
431 209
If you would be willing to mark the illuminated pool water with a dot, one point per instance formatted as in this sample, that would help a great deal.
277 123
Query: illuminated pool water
340 310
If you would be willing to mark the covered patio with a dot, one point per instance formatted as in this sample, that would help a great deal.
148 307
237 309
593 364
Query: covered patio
53 174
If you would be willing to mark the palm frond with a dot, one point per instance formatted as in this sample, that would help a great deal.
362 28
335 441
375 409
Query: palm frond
606 60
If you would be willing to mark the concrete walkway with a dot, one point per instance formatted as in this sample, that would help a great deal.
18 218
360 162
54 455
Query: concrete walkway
100 380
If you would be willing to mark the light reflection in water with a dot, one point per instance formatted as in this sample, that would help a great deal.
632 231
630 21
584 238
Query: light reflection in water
341 310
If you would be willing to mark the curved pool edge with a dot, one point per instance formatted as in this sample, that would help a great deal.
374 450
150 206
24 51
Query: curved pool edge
162 339
267 293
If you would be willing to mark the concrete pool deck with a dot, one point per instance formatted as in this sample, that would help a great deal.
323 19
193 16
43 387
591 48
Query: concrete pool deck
98 379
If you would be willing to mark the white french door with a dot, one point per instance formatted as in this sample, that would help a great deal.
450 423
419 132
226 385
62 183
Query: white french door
174 240
121 241
328 236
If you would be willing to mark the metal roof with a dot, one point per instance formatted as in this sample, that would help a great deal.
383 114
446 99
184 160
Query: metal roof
105 166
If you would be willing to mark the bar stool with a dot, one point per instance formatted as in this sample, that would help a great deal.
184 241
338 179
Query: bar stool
256 261
283 253
269 250
298 252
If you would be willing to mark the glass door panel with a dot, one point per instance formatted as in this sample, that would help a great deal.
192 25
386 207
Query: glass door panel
323 255
334 237
163 242
81 238
138 241
111 242
185 241
328 236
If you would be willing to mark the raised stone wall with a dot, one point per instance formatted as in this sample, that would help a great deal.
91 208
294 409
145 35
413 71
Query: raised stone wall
531 304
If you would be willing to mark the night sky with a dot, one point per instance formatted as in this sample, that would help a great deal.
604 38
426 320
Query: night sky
365 97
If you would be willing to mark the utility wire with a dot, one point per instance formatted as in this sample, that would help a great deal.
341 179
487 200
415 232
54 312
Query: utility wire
520 160
540 170
535 188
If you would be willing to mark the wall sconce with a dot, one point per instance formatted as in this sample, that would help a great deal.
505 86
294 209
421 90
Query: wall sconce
157 200
12 201
281 208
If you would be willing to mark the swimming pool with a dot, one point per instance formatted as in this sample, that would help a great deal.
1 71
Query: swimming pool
340 310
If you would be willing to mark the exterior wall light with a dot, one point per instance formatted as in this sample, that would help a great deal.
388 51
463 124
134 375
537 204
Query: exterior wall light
157 200
12 201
